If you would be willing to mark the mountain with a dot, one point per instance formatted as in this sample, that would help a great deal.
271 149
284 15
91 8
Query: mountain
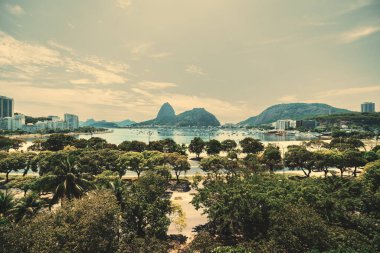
106 124
166 115
125 123
295 111
195 117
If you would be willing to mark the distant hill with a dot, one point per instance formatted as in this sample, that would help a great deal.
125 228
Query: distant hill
295 111
195 117
106 124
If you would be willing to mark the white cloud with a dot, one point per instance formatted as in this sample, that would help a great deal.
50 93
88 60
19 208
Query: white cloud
15 9
358 33
123 3
146 49
288 98
30 59
150 85
194 69
349 91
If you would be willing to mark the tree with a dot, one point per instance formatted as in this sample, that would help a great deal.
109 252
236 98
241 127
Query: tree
6 202
27 207
251 146
7 143
87 225
12 162
132 161
147 208
97 143
228 145
57 142
63 178
316 144
354 159
197 146
178 163
299 158
272 158
214 165
346 143
323 160
136 146
252 164
213 147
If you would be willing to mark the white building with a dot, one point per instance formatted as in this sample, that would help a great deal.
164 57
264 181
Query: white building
6 123
72 121
284 124
12 123
18 121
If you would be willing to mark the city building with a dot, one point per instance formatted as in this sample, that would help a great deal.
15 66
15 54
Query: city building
6 123
72 121
53 118
18 122
368 107
307 124
283 124
6 107
12 122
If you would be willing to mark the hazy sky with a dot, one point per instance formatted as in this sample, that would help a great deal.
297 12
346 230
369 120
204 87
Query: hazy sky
118 59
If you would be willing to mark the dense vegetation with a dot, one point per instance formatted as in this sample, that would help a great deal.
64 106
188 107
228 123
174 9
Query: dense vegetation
249 208
353 120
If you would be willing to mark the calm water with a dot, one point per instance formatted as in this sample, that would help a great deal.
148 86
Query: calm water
184 135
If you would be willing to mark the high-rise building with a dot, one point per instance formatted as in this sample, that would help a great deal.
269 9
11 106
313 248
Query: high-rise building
72 121
283 124
18 121
6 107
368 107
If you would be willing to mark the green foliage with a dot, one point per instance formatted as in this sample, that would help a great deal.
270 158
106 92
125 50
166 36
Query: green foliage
365 120
251 146
273 214
197 145
8 143
146 208
345 143
136 146
57 142
178 163
228 145
272 158
213 147
87 225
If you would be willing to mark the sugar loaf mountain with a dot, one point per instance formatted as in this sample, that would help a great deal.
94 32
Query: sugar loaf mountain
294 111
197 117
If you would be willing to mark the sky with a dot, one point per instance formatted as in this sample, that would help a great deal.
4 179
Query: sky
122 59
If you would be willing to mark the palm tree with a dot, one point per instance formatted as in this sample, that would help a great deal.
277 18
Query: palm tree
28 206
6 203
66 182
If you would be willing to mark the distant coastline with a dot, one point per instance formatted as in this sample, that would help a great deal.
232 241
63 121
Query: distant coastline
45 135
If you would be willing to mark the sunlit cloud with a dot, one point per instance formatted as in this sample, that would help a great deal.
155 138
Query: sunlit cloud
123 3
194 69
349 91
358 33
150 85
15 9
287 99
31 60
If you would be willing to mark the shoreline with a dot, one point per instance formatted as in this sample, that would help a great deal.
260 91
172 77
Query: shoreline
43 136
